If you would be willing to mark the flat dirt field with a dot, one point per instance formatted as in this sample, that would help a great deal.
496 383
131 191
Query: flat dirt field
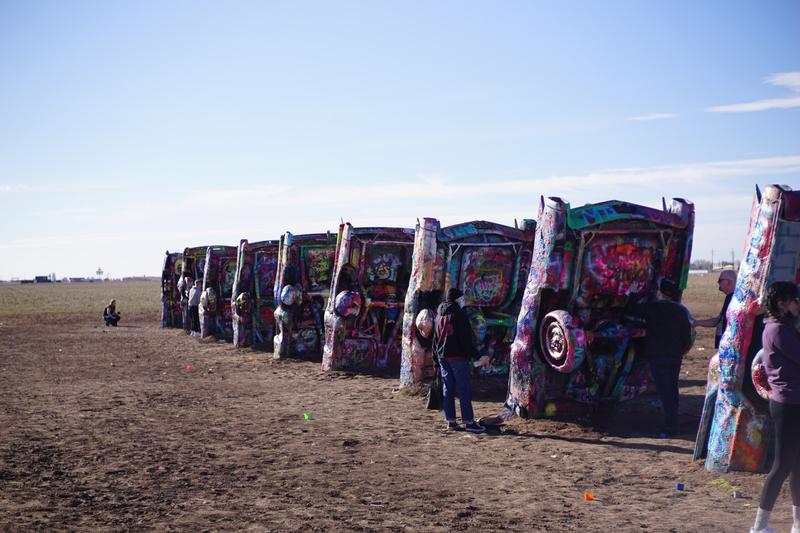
140 428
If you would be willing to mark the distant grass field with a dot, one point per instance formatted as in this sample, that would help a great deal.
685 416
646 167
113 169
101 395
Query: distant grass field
134 298
137 298
702 295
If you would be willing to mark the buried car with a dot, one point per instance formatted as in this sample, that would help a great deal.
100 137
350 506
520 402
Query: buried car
364 313
171 309
302 289
573 351
735 430
194 264
489 263
252 301
215 301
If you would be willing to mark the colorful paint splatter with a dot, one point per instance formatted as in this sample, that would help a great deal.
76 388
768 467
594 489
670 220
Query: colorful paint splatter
572 352
735 432
489 263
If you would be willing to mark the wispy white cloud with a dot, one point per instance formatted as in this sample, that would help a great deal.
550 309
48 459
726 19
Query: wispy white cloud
22 188
653 116
72 212
439 188
789 80
785 79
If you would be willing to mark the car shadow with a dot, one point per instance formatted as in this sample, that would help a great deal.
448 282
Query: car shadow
598 441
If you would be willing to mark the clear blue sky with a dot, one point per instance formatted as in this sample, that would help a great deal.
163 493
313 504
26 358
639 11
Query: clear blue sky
129 128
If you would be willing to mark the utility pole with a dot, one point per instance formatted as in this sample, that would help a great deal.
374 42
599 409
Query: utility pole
712 260
733 264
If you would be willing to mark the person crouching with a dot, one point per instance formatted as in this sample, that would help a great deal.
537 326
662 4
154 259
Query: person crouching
110 314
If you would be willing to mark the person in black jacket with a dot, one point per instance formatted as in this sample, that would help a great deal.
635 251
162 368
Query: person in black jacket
110 314
727 284
454 348
669 335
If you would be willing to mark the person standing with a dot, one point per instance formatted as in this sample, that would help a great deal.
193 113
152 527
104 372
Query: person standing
781 344
194 307
726 282
184 285
454 348
668 336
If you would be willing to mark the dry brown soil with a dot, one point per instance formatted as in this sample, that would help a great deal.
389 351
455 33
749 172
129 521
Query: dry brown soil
141 428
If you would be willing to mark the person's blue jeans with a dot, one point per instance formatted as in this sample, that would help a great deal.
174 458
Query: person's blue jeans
456 377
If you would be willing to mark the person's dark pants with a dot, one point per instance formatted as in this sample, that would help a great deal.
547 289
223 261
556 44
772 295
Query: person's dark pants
111 321
194 315
787 454
456 375
666 371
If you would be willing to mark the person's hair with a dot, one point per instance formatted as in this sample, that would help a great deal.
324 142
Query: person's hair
112 302
728 274
780 291
669 289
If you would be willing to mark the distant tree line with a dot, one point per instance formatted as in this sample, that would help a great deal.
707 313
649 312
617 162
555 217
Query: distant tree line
701 264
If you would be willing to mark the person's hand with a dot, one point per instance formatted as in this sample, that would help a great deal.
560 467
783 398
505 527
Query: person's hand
483 361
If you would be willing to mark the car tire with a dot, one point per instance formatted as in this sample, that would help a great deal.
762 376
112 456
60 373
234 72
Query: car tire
562 342
759 376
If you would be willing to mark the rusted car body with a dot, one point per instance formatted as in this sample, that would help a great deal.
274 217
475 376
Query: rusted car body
489 263
171 308
302 289
573 351
219 272
735 430
363 317
252 301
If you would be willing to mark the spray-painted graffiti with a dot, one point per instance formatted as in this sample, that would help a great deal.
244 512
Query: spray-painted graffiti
216 318
171 308
301 290
603 213
252 302
319 265
588 264
194 260
616 268
488 273
489 263
735 431
371 267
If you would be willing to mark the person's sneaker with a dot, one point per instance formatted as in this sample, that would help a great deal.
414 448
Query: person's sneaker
453 426
474 427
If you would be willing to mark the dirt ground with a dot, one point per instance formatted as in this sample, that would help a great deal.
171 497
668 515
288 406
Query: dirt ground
142 428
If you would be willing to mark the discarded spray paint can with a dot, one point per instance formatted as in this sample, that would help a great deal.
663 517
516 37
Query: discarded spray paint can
736 494
678 486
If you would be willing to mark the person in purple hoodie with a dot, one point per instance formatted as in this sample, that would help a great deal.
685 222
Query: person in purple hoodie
782 364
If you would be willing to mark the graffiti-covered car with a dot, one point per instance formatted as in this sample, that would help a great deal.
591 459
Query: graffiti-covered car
489 263
171 309
363 318
252 301
216 318
302 289
573 349
194 265
735 431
